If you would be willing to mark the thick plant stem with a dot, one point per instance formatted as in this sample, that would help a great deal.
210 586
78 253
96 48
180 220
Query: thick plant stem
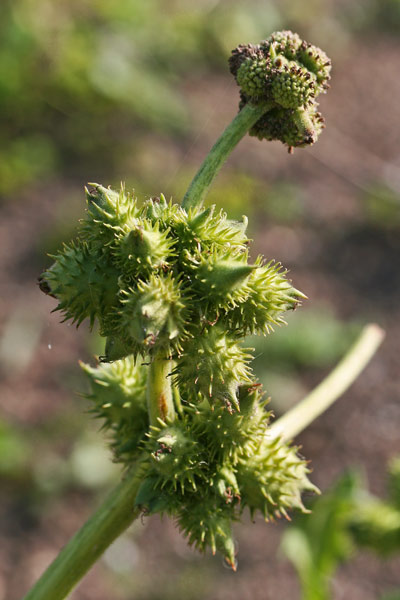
160 402
331 388
218 154
116 513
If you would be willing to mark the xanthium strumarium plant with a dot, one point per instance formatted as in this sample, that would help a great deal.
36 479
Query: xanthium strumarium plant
174 294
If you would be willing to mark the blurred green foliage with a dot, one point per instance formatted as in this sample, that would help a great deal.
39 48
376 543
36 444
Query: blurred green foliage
316 544
14 452
345 520
392 595
314 339
81 83
382 206
274 201
388 15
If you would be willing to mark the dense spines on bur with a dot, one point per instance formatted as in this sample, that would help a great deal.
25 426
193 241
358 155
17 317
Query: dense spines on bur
155 276
214 366
118 397
142 250
176 288
209 525
228 435
286 75
206 488
270 490
152 313
109 213
163 281
205 230
270 295
84 281
219 280
176 457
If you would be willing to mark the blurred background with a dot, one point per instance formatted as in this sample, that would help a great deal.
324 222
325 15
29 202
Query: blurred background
134 91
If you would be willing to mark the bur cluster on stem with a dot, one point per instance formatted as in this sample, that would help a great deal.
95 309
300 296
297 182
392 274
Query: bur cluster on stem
174 294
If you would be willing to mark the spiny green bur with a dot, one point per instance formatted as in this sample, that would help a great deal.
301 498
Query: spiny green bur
287 75
186 293
174 288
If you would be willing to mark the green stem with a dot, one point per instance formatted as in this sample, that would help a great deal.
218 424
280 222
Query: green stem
331 388
218 154
116 513
160 402
118 510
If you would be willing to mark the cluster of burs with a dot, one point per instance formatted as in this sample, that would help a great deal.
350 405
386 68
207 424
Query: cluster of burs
176 287
286 74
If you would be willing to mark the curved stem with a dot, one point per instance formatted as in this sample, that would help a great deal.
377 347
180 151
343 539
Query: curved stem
116 513
218 154
331 388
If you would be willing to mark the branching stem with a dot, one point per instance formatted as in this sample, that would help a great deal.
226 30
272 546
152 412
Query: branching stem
331 388
218 154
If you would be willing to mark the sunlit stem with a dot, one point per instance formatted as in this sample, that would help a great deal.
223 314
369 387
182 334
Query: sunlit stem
160 402
218 154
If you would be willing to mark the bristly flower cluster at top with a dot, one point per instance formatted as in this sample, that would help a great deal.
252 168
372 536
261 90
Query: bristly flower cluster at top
287 74
174 294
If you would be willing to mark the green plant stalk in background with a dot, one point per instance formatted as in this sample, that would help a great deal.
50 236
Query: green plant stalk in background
332 387
172 284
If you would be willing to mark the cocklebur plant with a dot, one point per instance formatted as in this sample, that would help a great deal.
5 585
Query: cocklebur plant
174 294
